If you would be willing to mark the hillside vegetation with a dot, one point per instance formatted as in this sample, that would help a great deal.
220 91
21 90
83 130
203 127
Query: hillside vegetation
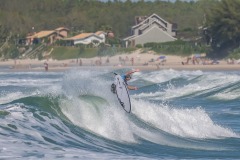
20 17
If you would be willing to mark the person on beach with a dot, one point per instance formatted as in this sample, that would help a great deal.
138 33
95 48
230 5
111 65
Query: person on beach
132 60
46 66
188 59
80 62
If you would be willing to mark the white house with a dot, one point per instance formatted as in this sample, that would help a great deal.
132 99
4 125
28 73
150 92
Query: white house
150 29
88 38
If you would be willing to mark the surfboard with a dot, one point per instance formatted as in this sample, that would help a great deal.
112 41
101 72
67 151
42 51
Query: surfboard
122 93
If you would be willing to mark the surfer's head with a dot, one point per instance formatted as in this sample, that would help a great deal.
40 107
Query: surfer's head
128 77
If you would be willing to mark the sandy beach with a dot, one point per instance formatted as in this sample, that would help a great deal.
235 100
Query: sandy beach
143 61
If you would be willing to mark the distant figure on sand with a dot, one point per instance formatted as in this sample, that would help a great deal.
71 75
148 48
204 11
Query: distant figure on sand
230 61
46 66
80 62
107 60
132 60
188 59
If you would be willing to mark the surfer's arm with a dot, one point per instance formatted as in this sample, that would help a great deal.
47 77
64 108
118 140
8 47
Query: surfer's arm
132 88
132 71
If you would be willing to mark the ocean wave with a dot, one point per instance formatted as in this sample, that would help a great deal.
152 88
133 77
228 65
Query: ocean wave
76 113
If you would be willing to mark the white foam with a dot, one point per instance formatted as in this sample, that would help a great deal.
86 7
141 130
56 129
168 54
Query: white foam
193 123
166 75
226 95
203 83
103 120
106 118
8 97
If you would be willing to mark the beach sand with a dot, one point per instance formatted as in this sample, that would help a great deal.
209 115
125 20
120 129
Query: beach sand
143 61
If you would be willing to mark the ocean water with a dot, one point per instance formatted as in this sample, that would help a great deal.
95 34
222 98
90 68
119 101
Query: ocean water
73 115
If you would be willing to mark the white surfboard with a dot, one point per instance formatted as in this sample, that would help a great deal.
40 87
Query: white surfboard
122 93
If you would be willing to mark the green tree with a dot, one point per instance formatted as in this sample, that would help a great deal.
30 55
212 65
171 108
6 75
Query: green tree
223 23
20 16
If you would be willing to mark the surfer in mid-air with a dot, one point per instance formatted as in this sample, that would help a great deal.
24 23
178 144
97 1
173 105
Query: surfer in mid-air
120 88
128 76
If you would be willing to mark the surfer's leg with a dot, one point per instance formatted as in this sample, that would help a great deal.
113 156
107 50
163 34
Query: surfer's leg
113 88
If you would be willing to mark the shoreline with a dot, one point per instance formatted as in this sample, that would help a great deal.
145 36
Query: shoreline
143 61
142 68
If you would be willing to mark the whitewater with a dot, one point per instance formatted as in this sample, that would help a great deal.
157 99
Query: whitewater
74 115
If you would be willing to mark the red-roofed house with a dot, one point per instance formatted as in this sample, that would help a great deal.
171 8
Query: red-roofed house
47 36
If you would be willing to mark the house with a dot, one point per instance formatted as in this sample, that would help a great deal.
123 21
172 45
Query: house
150 29
87 38
48 36
62 32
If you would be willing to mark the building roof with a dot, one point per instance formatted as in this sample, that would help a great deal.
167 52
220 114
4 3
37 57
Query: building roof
144 21
41 34
99 32
85 35
61 28
130 37
80 36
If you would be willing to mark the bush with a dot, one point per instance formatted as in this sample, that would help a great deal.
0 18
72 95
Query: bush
11 52
235 54
139 46
177 47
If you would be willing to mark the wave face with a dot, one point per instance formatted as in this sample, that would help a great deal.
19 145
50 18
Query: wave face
74 115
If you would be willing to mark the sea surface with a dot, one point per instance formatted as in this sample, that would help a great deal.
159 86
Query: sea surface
73 115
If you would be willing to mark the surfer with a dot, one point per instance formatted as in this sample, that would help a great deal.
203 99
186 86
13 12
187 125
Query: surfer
120 87
128 76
